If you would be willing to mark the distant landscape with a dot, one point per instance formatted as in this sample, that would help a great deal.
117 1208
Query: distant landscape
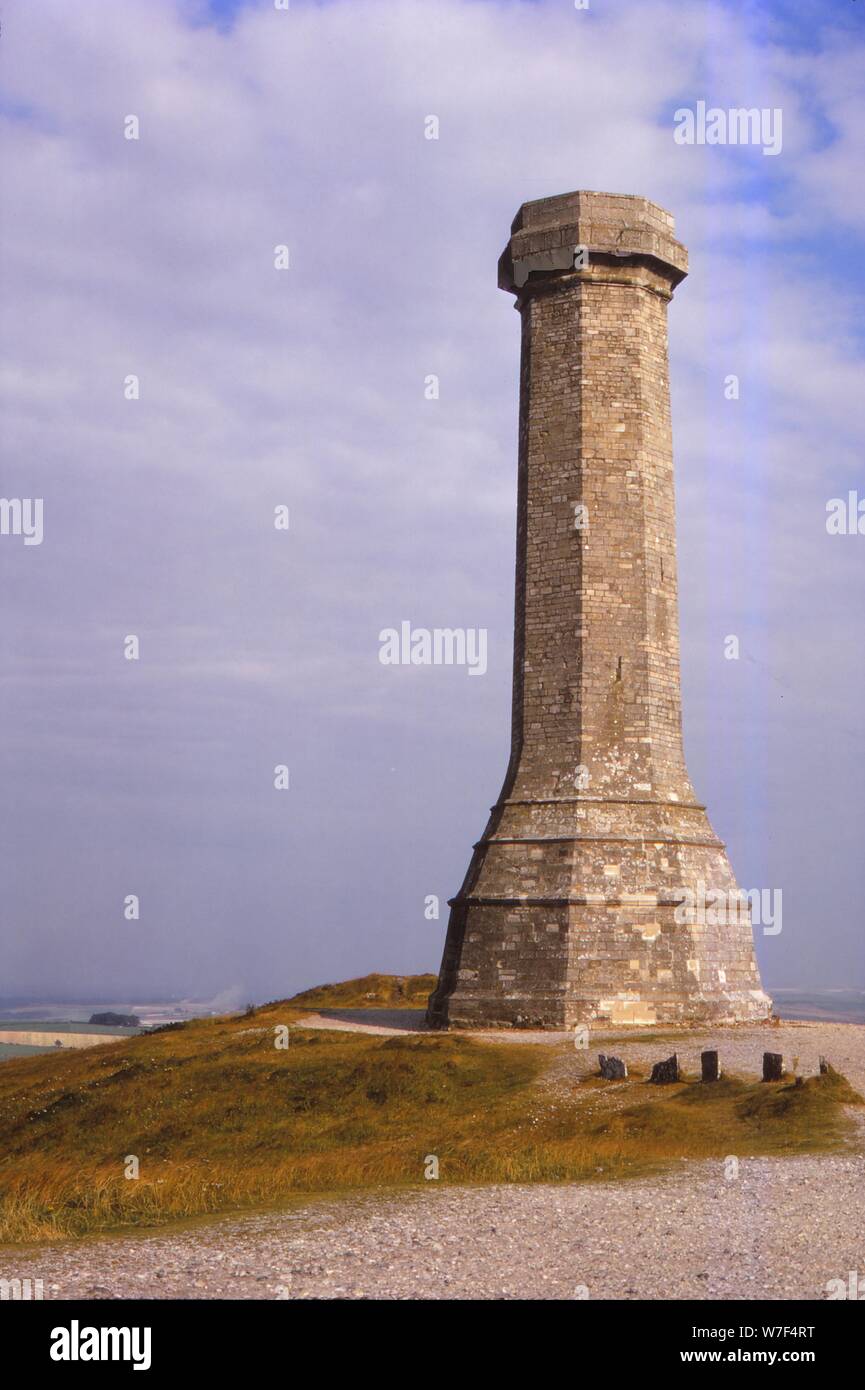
821 1005
58 1010
817 1005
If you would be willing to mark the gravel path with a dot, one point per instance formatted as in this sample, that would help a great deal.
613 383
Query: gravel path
780 1229
741 1047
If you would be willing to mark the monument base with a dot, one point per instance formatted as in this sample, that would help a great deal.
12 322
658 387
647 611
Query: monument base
639 925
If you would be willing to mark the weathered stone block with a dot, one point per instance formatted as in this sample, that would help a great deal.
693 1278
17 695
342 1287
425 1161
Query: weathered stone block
710 1066
773 1066
612 1068
665 1073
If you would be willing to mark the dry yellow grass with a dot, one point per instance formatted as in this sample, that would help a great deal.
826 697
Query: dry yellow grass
220 1119
371 992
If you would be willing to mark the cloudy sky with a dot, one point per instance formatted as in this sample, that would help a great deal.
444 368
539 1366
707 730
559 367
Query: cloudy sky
304 387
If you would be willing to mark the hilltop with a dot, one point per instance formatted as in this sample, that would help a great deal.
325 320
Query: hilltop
218 1114
370 992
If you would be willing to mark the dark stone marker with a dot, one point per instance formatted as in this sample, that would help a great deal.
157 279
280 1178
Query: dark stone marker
711 1066
612 1068
663 1073
824 1067
773 1066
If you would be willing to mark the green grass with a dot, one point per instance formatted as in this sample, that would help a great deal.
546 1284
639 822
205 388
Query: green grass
222 1120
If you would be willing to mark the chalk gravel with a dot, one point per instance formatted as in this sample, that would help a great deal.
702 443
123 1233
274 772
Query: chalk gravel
781 1229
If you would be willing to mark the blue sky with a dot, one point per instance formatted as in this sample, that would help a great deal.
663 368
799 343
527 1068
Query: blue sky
155 257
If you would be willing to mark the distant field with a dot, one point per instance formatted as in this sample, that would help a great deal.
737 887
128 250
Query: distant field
57 1028
20 1050
822 1005
20 1038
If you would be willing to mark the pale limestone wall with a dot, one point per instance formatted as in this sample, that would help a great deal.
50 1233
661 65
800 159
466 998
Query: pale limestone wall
45 1038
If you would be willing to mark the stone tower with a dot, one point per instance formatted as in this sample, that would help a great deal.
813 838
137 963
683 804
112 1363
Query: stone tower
572 908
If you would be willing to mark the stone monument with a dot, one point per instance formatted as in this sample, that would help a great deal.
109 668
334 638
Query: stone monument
572 908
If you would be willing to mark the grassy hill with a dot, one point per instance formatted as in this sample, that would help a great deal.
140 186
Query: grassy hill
371 992
220 1118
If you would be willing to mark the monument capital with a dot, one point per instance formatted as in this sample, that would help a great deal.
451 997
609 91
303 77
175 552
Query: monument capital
619 232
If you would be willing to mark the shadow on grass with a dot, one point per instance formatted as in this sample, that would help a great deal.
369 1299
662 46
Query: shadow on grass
408 1020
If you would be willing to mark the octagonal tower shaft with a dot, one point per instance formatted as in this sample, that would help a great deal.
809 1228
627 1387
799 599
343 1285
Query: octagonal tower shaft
568 910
